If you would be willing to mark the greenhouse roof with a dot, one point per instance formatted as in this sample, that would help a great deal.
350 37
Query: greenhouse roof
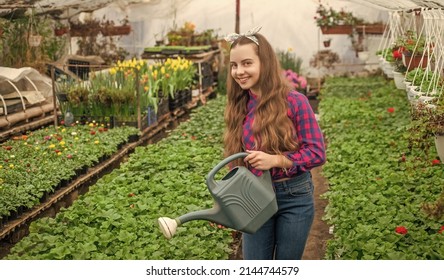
59 8
69 8
402 4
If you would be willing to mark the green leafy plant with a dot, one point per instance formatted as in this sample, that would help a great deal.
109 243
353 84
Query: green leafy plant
411 42
427 122
35 164
16 50
289 60
371 171
117 218
327 16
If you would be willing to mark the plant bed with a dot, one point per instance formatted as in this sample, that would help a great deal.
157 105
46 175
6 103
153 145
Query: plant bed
38 162
116 219
371 171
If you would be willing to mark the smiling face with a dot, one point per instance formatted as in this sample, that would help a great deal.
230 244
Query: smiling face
245 67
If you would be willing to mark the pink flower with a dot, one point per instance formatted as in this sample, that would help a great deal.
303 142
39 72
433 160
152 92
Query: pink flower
436 162
401 230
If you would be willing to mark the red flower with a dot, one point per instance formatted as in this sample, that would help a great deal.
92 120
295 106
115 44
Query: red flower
401 230
92 132
435 162
441 230
391 110
397 54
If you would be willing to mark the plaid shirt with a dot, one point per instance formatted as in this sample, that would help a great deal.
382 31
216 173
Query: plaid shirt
311 151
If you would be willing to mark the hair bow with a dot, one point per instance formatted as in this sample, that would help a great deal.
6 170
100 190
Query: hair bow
250 35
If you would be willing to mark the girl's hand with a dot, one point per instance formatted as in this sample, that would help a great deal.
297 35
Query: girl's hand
261 161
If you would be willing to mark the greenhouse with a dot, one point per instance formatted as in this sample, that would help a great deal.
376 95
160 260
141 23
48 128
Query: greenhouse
222 130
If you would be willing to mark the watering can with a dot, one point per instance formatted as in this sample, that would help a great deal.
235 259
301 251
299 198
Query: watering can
242 201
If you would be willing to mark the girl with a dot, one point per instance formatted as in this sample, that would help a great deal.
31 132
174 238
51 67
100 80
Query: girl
278 128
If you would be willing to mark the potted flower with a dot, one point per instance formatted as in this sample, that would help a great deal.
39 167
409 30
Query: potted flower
335 22
427 124
414 52
109 28
297 82
60 29
399 69
325 58
327 42
89 28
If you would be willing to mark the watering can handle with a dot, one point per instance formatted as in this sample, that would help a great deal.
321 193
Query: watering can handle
220 165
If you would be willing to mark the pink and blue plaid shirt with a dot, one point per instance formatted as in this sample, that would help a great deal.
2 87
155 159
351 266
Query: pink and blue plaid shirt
311 151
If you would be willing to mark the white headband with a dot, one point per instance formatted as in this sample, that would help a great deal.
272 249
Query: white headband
250 35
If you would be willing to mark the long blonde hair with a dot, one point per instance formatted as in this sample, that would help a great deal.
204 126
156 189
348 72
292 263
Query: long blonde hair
273 131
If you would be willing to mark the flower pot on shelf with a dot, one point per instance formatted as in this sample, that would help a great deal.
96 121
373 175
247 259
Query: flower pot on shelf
326 43
414 61
116 30
337 29
60 31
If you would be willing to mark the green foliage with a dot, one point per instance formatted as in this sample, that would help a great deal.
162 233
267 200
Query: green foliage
117 218
327 16
289 60
15 49
34 164
375 182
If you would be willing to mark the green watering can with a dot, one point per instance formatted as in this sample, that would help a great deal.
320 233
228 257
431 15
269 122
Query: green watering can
243 201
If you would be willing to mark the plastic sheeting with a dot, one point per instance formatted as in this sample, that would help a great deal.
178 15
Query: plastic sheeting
22 88
400 5
62 9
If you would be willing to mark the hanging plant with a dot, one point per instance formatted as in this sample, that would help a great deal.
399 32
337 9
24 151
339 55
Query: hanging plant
90 28
327 42
109 28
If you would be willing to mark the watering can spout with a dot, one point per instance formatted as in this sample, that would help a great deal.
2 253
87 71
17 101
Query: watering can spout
169 226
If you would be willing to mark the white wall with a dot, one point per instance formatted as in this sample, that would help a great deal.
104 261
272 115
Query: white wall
286 23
